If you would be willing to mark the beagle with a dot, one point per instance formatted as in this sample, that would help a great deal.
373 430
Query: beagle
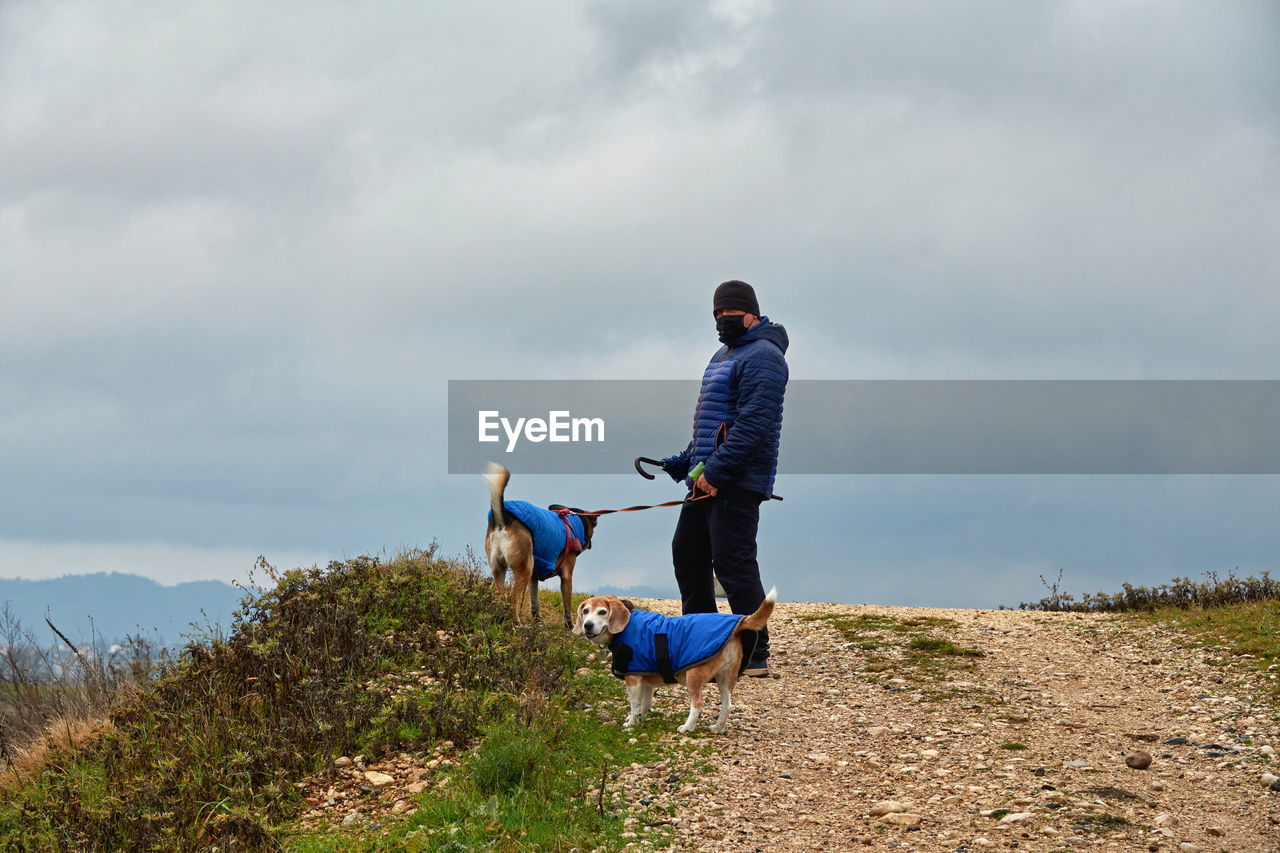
536 544
651 649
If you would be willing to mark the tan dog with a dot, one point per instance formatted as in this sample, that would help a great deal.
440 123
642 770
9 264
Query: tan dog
708 648
510 544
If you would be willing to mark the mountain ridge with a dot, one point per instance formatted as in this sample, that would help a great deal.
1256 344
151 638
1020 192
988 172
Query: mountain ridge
111 605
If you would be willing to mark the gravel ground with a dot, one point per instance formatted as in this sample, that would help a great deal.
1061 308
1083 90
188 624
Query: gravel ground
854 742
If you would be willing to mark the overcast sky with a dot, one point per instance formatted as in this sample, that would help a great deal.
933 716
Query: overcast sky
244 246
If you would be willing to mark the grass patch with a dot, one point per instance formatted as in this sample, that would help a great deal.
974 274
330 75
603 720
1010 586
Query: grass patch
1247 629
939 646
1110 792
1012 744
531 784
1099 824
915 648
1240 614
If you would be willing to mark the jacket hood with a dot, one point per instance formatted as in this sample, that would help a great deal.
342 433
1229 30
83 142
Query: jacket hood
764 330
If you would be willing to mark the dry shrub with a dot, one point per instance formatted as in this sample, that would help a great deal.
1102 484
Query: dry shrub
61 734
1180 592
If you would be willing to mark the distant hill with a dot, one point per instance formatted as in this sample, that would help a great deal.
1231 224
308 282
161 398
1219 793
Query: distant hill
638 591
118 604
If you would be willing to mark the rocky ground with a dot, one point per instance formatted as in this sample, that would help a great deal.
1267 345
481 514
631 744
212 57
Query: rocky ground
1018 734
861 740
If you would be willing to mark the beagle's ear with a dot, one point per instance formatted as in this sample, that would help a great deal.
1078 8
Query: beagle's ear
577 625
619 616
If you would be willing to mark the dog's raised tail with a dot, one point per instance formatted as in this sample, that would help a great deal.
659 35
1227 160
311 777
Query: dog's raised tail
760 618
497 477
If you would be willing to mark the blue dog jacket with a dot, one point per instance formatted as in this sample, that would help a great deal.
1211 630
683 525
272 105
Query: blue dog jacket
550 532
653 644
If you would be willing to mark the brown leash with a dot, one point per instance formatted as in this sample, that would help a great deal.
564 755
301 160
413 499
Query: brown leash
600 512
648 476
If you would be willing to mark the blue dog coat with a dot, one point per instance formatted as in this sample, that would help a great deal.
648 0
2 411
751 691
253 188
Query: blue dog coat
653 644
550 533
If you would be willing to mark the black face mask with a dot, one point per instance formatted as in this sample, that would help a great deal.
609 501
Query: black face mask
730 327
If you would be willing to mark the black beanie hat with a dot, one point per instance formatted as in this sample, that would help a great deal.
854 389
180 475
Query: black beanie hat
735 294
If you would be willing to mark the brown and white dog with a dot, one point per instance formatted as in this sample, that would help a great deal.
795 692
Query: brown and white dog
604 618
509 544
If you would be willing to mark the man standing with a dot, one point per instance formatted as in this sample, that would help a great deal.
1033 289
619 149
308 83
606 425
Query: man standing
736 427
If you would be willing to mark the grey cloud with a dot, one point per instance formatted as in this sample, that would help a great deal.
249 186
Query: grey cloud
242 248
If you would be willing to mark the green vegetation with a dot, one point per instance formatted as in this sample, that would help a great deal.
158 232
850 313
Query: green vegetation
1248 631
1100 824
1240 615
914 649
360 657
1012 744
939 646
1181 593
899 642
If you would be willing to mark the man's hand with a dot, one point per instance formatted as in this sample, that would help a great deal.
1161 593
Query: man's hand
702 485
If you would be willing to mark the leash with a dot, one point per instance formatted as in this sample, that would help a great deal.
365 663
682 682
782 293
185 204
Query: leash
643 473
600 512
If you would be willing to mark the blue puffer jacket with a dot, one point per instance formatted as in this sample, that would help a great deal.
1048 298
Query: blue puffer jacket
738 421
689 640
550 536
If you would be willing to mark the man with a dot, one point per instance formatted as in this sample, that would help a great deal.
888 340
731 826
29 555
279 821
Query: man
736 427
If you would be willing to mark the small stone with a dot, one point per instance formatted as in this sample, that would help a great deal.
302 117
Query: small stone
887 807
1188 847
1138 760
876 731
378 780
1215 831
1268 778
983 842
1157 785
903 819
342 761
1079 765
866 839
1016 817
1165 820
1275 786
351 818
1267 750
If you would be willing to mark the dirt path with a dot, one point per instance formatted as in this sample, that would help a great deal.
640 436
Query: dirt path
1023 747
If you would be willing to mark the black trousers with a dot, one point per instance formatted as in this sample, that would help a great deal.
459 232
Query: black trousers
716 537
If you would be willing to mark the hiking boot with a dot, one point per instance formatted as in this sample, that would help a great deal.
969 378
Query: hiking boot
757 669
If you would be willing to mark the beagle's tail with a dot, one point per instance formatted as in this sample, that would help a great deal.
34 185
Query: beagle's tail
497 477
760 618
